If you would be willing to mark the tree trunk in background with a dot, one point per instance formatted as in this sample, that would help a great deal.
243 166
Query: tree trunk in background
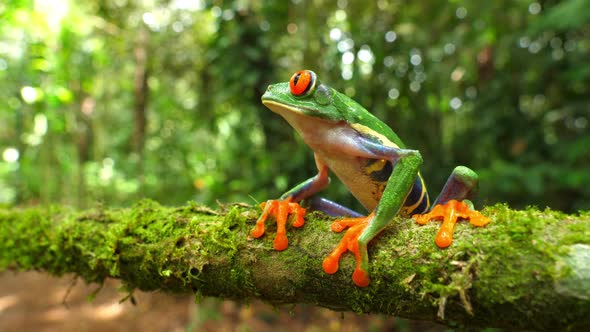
84 143
141 93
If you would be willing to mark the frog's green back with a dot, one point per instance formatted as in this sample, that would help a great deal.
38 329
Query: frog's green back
354 113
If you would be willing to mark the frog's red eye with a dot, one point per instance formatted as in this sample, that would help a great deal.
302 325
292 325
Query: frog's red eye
302 82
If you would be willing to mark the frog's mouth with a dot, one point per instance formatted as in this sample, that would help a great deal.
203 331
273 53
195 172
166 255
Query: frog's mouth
282 109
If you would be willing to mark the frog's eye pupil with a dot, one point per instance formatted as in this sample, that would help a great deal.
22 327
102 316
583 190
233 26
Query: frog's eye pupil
296 78
302 82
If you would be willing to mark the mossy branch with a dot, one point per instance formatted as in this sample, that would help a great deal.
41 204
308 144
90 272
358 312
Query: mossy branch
527 269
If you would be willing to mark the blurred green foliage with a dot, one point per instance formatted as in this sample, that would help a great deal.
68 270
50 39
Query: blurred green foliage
112 100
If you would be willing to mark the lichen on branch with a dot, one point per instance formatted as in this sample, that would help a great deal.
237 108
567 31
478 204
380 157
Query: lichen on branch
527 269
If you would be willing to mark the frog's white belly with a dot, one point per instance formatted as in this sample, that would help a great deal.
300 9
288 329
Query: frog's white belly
350 170
336 145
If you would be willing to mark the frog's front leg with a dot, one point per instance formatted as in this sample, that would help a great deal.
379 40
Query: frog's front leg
288 204
453 203
362 230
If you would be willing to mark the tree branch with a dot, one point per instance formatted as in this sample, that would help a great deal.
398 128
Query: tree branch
526 269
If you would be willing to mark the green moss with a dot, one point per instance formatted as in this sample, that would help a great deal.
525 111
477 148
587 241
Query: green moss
523 270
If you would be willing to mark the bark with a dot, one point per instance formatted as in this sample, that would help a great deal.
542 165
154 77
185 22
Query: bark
526 270
141 91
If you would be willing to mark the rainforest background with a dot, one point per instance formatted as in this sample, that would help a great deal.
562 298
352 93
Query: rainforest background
110 101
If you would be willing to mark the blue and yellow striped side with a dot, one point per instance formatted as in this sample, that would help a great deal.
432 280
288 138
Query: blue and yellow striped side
418 201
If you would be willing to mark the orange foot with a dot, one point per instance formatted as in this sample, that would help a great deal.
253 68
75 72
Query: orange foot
349 243
280 210
449 213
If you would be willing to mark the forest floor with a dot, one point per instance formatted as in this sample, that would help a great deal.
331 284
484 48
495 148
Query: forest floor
33 301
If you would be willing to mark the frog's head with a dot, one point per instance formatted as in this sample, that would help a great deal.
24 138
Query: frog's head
304 95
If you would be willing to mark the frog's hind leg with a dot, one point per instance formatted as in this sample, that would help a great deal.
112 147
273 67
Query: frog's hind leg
461 185
329 207
453 203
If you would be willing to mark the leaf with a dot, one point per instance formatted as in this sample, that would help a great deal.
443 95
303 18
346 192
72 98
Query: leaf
570 14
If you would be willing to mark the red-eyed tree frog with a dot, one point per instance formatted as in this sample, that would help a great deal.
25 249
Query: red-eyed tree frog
371 161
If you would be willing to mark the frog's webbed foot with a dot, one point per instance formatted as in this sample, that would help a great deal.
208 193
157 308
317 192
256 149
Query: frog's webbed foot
280 210
449 213
350 242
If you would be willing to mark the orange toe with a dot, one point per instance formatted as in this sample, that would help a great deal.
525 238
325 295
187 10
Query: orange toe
267 208
280 242
444 237
280 210
349 242
342 224
330 264
449 213
360 278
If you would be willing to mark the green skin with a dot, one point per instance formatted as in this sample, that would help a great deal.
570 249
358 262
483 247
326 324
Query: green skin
348 140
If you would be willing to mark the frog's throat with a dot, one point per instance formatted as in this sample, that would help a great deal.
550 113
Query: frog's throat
303 120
